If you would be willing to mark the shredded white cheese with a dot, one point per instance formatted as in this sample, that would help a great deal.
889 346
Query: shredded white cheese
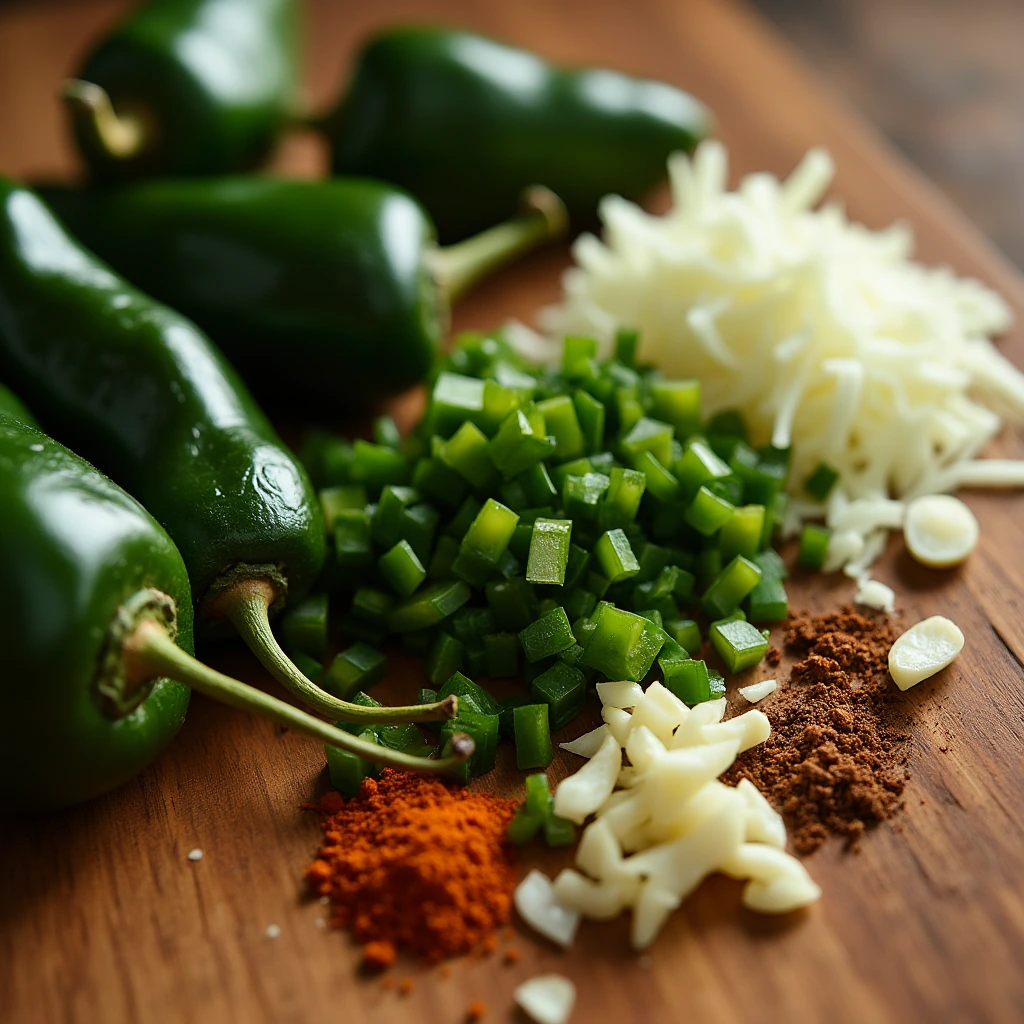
826 334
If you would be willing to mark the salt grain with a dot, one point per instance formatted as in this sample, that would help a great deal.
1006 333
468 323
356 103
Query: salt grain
195 854
273 931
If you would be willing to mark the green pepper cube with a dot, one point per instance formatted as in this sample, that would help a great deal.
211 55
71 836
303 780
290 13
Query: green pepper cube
622 499
615 556
441 561
741 532
813 546
626 341
429 606
523 826
376 466
309 667
506 726
434 480
547 636
820 483
563 688
688 680
558 831
445 658
521 442
455 398
533 736
463 517
402 569
511 602
698 466
484 731
648 435
708 513
763 475
485 542
549 551
386 525
466 452
622 645
471 695
372 606
502 654
537 486
564 426
352 544
356 668
499 402
739 644
591 415
771 565
660 481
730 587
581 495
577 467
579 603
686 633
769 601
347 770
337 499
716 684
677 402
304 626
539 799
578 354
385 432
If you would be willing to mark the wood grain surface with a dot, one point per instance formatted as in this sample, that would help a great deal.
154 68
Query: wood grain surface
104 919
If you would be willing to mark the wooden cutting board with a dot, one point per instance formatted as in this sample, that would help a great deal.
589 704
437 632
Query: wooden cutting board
103 918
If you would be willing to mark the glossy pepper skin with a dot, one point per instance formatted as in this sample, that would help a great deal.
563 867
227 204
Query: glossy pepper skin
143 394
73 548
464 123
204 87
308 287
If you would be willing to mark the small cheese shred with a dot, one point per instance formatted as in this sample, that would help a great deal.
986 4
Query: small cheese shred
827 335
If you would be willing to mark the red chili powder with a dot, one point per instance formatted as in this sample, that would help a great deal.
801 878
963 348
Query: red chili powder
417 863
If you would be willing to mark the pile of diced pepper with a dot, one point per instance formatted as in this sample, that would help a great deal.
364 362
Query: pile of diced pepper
568 525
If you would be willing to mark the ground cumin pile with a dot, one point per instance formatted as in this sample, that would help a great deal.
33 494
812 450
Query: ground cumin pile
413 863
835 763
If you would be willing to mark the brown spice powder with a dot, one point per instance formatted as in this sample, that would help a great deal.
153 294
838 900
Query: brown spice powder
836 761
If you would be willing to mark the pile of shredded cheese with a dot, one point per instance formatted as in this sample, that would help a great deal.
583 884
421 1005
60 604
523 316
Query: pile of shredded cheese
825 334
664 821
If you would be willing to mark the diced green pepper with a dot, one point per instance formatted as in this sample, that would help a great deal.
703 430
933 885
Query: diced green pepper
445 659
547 635
578 354
521 442
471 695
741 532
564 426
698 466
677 402
304 626
769 601
464 516
626 341
485 542
533 736
820 483
484 731
738 643
337 499
615 556
708 513
376 466
455 398
356 668
686 633
502 655
813 546
429 606
466 451
581 495
523 826
623 645
648 435
446 550
730 587
352 544
660 482
402 569
622 499
506 727
348 770
591 415
434 480
563 688
688 680
771 565
385 432
558 831
549 551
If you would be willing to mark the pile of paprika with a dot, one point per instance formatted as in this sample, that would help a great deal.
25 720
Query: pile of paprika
415 864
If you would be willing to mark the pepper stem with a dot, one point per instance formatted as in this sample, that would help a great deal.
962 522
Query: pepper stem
246 604
149 652
102 129
460 267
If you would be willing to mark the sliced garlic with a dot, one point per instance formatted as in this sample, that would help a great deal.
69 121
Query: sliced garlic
924 649
758 691
583 793
548 998
874 594
620 694
589 743
537 905
940 530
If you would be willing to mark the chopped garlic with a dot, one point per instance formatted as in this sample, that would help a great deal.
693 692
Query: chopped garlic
548 998
583 793
924 649
828 335
589 743
537 905
620 694
758 691
940 530
874 594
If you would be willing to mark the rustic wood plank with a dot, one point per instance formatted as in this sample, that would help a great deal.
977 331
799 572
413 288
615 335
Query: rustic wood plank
102 917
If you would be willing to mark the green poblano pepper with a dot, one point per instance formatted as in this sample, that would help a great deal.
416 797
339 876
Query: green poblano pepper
186 87
317 291
96 630
465 123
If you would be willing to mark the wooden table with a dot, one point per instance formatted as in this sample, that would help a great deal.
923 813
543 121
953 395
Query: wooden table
104 919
